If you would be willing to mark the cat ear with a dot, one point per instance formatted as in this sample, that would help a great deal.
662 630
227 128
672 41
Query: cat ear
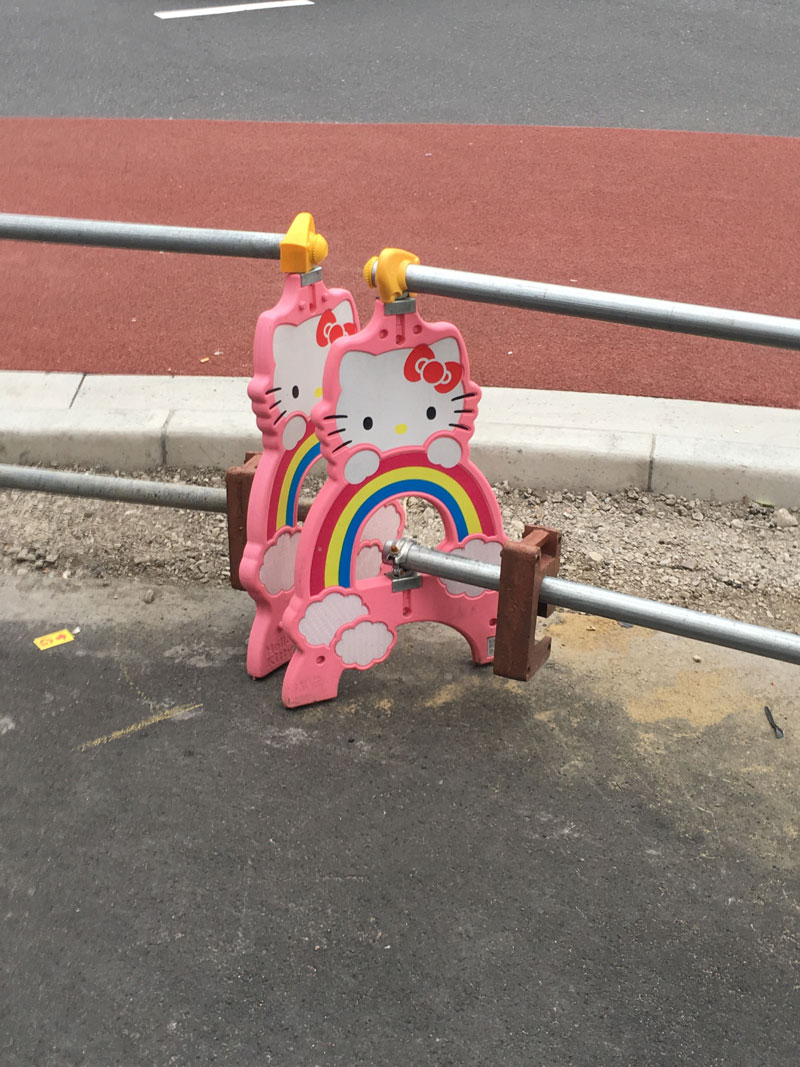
452 376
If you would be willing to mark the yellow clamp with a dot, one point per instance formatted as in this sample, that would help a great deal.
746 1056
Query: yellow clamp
302 248
390 273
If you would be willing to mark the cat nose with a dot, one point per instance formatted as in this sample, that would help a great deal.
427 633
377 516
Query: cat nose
400 427
318 392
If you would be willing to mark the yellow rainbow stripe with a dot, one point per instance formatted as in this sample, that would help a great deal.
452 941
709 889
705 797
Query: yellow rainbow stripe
437 479
284 518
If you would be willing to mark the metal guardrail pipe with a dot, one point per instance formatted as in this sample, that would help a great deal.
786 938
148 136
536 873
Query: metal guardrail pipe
713 629
100 487
745 326
247 243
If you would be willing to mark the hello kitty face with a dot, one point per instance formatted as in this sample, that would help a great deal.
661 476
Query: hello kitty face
401 399
284 396
300 353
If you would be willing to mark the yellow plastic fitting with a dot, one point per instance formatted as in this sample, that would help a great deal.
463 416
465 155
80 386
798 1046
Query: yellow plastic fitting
390 273
302 248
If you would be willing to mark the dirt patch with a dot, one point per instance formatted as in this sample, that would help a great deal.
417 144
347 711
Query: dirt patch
731 559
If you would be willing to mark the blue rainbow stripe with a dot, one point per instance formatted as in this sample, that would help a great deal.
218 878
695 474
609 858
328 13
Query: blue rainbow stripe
410 487
294 485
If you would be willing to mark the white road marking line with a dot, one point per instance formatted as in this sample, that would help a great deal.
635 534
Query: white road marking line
229 9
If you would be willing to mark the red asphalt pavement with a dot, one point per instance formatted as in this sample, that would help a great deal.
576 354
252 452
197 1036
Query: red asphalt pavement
704 218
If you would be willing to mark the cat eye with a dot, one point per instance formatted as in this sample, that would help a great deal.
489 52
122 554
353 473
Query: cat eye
295 392
431 413
367 423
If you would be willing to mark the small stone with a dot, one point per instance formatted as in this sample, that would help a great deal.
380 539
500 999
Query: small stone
688 564
149 596
591 499
698 516
51 558
596 557
697 659
784 519
23 556
737 524
632 494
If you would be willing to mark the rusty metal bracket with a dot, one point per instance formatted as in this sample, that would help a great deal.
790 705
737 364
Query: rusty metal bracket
523 564
238 483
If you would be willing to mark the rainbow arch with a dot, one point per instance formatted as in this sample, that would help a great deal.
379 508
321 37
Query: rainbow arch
460 491
292 469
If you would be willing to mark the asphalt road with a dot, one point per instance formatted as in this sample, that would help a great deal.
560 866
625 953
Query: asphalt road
711 65
440 867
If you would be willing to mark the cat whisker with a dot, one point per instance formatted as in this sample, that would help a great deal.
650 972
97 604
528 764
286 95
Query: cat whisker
275 405
274 389
342 445
332 432
457 426
278 419
462 396
465 411
335 416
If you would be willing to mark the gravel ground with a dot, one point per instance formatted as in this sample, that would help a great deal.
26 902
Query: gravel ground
741 560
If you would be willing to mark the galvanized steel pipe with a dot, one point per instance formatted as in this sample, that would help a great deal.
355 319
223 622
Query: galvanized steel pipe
668 315
713 629
100 487
46 228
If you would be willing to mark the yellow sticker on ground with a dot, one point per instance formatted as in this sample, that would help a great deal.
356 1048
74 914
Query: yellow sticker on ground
60 637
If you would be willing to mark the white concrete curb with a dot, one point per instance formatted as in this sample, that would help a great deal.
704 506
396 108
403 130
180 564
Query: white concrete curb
529 438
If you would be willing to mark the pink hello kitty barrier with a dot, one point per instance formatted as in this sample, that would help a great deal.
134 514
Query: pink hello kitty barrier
391 407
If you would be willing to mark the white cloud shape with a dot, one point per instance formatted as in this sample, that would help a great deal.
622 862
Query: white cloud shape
277 570
368 562
323 618
364 644
384 525
485 551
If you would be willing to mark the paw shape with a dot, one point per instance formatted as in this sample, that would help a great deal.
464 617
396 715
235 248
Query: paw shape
361 465
293 432
444 452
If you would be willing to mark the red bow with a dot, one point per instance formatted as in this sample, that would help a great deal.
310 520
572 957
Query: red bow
422 363
329 330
